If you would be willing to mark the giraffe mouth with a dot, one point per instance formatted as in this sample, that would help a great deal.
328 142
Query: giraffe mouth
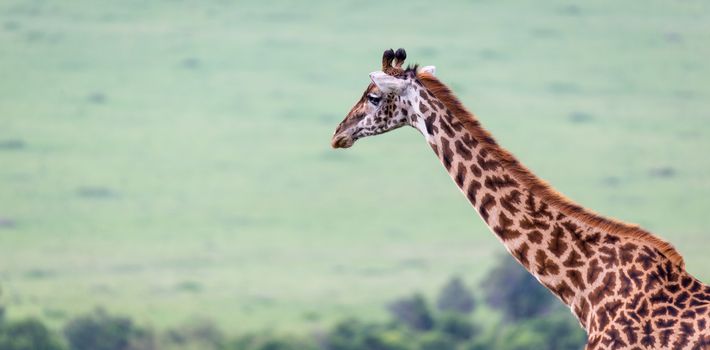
342 141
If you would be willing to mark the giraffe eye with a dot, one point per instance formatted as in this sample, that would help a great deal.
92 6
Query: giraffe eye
374 99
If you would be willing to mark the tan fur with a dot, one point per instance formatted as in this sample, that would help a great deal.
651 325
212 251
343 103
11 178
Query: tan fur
537 185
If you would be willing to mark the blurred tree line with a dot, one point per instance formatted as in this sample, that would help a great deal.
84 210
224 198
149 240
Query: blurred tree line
531 318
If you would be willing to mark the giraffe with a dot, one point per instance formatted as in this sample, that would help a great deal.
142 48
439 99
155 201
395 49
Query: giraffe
627 287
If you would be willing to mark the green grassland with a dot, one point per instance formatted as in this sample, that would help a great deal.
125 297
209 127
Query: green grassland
170 159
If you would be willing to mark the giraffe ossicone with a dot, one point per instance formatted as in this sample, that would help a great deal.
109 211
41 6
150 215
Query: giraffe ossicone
627 287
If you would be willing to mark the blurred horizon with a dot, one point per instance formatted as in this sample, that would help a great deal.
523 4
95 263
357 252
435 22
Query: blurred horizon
170 160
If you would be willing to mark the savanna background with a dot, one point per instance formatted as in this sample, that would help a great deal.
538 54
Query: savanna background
166 180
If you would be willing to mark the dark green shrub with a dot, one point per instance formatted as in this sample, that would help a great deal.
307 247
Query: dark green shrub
455 297
516 293
101 331
195 334
560 331
435 341
29 334
456 326
267 341
356 335
412 312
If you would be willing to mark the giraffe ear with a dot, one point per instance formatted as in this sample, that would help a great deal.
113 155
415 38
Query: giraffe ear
428 69
387 83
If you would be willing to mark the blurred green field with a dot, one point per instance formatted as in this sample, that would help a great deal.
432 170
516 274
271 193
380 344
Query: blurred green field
170 159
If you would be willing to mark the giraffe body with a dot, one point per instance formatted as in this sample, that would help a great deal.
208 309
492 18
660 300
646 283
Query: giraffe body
627 287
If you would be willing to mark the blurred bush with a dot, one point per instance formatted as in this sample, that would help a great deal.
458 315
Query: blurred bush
531 319
516 293
101 331
195 334
269 341
29 334
456 326
413 312
455 297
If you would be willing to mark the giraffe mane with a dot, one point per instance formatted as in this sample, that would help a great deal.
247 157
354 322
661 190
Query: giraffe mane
538 186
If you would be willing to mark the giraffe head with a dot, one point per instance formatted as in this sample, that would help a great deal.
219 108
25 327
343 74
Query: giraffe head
386 104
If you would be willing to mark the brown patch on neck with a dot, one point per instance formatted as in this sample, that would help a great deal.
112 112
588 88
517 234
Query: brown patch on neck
537 185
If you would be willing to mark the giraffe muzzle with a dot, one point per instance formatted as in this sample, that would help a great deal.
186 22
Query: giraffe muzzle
342 140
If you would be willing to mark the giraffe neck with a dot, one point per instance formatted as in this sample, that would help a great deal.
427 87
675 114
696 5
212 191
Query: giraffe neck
526 225
590 263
